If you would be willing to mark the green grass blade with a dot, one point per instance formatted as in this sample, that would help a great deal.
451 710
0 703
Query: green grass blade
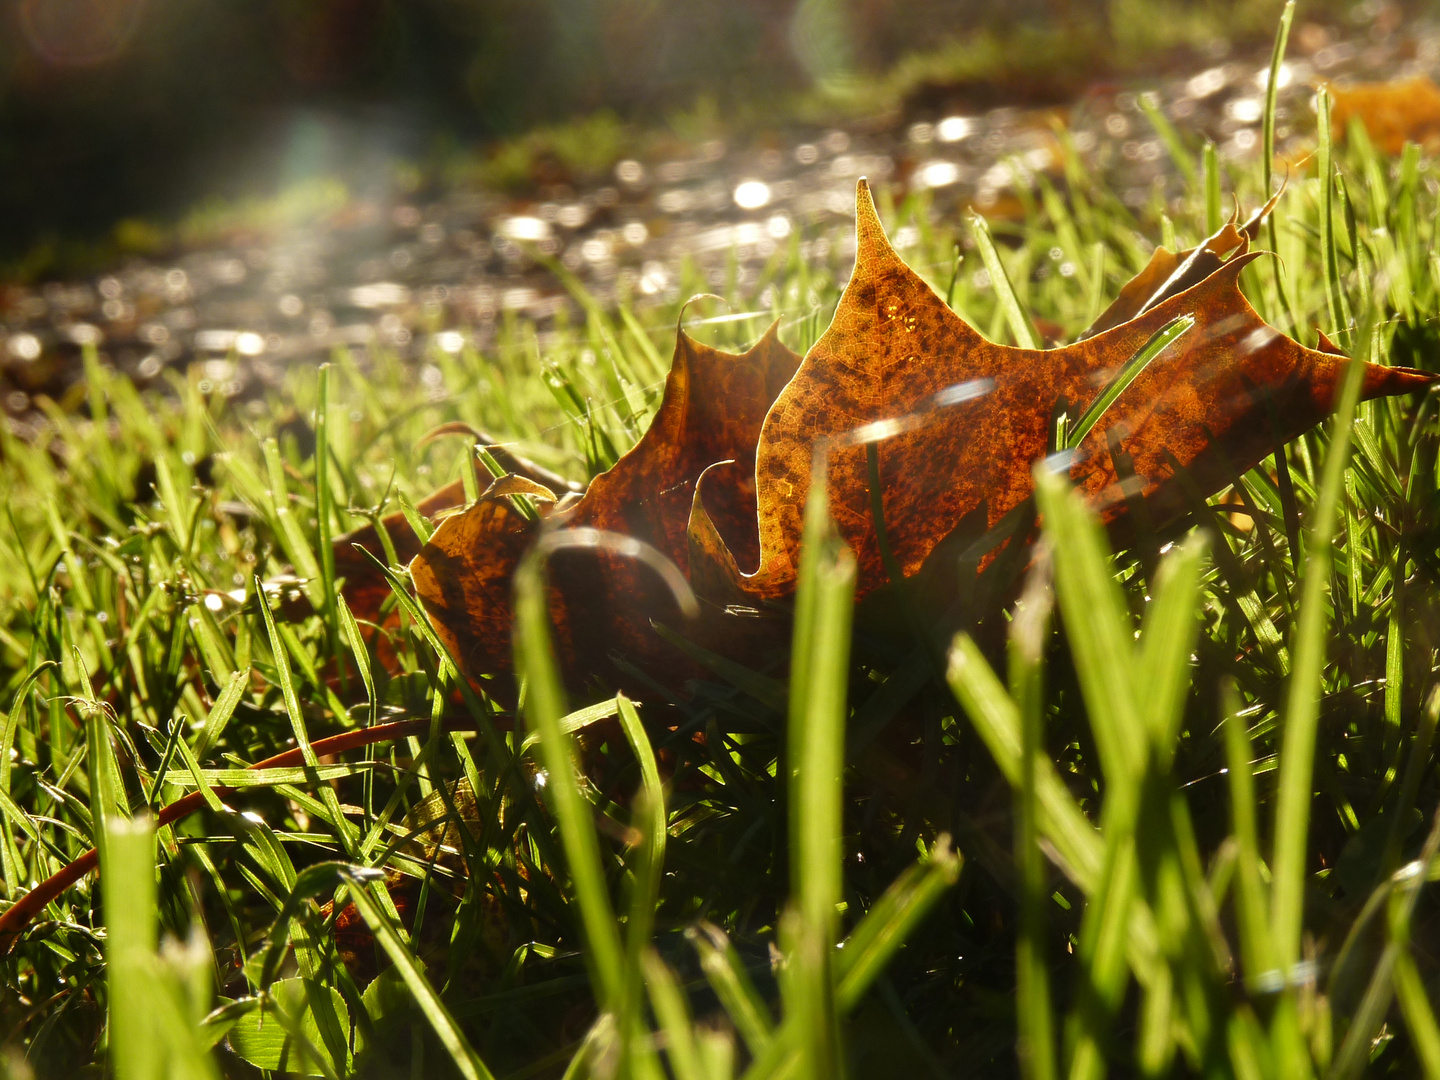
650 820
1302 703
290 534
544 708
726 975
127 878
1267 156
1167 640
325 522
1329 254
1419 1014
342 828
1161 340
820 666
1272 91
1097 624
1021 328
221 712
462 1055
997 720
1029 632
1170 137
908 900
668 1001
1210 171
414 518
1257 954
578 720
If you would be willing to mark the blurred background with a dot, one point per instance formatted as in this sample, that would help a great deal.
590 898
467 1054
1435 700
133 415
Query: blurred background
126 110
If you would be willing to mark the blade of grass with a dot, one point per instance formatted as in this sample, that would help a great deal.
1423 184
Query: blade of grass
1302 704
1161 340
908 900
325 523
1406 883
1329 256
1210 170
544 708
343 829
668 1001
1419 1016
127 879
726 975
997 720
1021 328
651 822
291 536
462 1054
1029 631
221 712
1167 640
1257 954
820 662
1170 137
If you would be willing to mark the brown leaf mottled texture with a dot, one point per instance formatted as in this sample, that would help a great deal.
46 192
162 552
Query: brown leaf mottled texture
894 344
711 411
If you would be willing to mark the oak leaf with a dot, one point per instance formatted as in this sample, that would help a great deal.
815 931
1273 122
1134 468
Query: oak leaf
719 481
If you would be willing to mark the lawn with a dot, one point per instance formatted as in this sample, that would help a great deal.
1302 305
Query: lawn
1167 814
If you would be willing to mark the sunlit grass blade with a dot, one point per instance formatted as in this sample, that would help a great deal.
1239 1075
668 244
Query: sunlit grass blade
650 821
1161 340
997 720
820 656
325 521
1210 174
544 708
127 875
1419 1014
1302 704
731 983
908 900
221 712
1369 1016
343 830
289 533
1256 948
1329 255
1094 613
1016 318
1029 634
1184 164
1167 641
668 1001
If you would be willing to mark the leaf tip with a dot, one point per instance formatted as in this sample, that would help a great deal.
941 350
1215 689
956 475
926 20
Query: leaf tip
868 229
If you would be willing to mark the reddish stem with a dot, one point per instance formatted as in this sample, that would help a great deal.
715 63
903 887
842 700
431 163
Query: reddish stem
15 918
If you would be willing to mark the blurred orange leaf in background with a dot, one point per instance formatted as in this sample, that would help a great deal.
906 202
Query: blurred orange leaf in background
1393 113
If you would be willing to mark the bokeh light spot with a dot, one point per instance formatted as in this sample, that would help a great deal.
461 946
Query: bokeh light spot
752 194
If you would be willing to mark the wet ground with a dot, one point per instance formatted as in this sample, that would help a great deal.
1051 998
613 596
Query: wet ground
437 274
